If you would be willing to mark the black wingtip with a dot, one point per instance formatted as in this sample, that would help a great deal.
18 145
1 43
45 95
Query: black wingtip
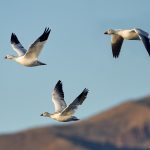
58 84
14 39
86 90
59 87
82 96
45 34
115 56
47 30
148 50
84 93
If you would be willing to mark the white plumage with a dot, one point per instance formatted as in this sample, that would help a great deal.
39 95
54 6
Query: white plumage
28 57
64 113
129 34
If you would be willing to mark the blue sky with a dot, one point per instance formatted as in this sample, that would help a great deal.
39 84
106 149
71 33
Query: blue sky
77 52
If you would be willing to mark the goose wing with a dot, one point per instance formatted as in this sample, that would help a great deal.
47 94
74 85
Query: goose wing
144 38
58 97
16 45
70 110
116 43
36 47
137 30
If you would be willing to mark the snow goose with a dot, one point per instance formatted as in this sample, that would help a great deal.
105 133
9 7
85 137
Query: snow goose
129 34
28 57
64 113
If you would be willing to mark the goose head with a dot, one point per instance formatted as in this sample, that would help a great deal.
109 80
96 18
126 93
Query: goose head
109 31
45 114
10 57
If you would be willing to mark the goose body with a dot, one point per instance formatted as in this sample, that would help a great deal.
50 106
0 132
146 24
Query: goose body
128 34
64 113
28 57
63 118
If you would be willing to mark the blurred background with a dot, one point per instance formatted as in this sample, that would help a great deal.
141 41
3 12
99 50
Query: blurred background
79 54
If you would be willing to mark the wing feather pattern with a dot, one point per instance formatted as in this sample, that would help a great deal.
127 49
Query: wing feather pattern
58 97
144 38
16 45
37 46
116 42
70 110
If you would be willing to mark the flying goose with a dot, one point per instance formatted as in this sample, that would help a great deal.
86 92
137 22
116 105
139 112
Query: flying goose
28 57
129 34
64 113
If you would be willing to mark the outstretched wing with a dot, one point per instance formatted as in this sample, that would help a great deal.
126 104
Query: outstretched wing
58 97
137 30
37 46
70 110
144 38
116 43
16 45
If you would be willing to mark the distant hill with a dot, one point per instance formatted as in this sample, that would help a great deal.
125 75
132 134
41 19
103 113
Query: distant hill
125 127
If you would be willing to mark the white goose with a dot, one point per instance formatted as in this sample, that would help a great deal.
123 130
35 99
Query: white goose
28 57
64 113
129 34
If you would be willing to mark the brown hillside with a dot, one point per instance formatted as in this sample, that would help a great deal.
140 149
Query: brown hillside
125 127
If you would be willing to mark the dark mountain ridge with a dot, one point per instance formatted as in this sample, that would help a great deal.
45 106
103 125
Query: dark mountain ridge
124 127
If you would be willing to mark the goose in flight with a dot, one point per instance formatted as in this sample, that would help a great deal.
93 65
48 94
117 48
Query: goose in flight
129 34
64 113
28 57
